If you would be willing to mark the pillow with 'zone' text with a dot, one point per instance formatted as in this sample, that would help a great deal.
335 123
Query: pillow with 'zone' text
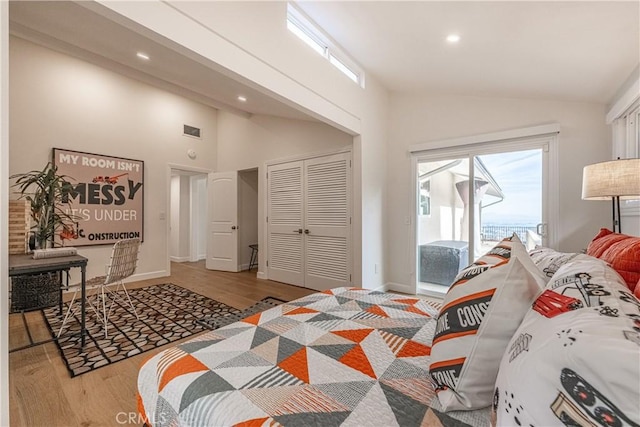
480 313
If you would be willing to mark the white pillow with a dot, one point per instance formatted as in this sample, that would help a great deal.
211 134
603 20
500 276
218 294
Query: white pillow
575 359
480 313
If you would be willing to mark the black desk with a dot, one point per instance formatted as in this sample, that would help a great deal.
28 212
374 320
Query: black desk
25 264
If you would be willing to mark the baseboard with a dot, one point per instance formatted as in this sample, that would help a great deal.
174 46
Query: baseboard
399 287
383 288
243 267
147 276
262 275
180 258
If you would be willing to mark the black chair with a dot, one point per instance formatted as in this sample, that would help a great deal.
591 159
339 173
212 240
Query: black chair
254 256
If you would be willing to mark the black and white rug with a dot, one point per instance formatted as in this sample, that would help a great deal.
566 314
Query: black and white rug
167 313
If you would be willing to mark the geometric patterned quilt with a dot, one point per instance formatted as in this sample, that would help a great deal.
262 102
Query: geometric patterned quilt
346 356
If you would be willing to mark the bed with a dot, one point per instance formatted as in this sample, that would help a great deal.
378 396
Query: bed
346 356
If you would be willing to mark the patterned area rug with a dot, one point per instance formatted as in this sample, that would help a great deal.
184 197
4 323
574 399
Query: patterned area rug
167 313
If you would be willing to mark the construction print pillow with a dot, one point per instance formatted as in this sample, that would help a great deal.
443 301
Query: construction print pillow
480 313
549 260
575 360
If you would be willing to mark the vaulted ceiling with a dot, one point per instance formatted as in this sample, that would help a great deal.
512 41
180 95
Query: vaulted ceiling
576 50
572 50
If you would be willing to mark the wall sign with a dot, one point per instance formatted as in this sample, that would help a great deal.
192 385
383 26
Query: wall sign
107 198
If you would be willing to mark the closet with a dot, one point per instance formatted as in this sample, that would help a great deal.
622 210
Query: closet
309 222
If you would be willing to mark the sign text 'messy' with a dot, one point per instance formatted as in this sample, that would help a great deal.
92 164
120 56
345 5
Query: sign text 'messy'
106 198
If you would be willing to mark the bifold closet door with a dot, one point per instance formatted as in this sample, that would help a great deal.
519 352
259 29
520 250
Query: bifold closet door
327 213
285 223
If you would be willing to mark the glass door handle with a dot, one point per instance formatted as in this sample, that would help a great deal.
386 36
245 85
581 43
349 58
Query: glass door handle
541 229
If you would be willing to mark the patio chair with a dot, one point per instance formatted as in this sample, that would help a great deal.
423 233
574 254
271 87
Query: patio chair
122 264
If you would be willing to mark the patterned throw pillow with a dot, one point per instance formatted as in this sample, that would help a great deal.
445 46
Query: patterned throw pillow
549 260
619 250
575 360
480 313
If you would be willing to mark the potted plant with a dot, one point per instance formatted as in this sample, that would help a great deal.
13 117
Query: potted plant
49 196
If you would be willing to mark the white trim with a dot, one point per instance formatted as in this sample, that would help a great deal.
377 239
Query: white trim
263 254
147 276
243 267
307 156
382 288
427 290
330 47
533 131
548 141
188 168
180 259
167 209
399 287
623 103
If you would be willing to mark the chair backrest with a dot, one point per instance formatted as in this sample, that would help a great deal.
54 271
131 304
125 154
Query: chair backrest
124 259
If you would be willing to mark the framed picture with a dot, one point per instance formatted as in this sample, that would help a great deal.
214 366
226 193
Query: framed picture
107 197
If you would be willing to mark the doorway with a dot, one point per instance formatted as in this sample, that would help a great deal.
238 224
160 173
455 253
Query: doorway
233 220
248 219
187 216
469 198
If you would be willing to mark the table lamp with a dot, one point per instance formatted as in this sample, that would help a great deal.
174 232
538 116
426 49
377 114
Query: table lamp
612 180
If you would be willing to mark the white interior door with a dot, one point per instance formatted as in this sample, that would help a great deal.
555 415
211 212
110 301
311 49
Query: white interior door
285 223
327 232
222 244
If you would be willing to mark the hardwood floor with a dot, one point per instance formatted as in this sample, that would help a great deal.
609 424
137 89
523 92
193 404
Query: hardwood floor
43 394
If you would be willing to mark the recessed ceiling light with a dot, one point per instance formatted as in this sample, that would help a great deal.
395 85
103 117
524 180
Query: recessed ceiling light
453 38
242 98
142 56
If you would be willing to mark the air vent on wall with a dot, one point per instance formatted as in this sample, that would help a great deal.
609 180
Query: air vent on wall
192 131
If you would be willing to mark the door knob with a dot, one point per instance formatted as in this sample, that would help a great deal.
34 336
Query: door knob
306 231
233 227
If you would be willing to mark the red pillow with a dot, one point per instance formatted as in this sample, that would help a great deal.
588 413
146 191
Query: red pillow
622 252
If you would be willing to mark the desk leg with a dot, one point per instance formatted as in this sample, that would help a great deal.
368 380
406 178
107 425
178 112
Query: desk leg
82 304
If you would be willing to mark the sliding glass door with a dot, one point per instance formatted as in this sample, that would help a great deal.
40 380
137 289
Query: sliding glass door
468 199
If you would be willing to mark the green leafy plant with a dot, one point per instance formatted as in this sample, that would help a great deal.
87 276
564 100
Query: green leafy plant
50 203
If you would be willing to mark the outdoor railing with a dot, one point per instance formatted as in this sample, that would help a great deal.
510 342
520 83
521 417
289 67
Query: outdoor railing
495 233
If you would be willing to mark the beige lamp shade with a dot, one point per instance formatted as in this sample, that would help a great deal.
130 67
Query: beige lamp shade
615 178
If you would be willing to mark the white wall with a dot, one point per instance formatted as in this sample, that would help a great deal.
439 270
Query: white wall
248 214
247 143
263 54
584 138
269 58
60 101
370 180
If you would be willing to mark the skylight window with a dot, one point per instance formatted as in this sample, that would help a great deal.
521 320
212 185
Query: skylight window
315 38
342 67
315 45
